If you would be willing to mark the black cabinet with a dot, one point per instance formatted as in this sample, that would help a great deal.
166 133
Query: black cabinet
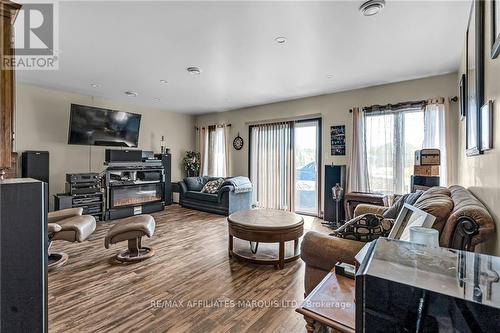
92 204
334 174
166 161
23 255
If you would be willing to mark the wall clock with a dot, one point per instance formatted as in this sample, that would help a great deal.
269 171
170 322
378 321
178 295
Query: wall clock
238 142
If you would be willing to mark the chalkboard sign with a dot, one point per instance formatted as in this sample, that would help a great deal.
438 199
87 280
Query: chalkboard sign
337 139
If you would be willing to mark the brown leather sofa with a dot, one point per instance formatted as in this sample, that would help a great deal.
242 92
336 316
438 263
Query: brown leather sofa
462 221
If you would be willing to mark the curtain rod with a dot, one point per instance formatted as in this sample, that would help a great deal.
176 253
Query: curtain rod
214 125
278 120
404 104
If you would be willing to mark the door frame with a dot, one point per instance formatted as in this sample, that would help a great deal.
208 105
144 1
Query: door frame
319 169
318 157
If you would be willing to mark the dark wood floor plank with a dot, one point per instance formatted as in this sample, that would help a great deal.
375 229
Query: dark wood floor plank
94 293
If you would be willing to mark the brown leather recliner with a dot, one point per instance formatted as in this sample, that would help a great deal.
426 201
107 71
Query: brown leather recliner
69 225
462 221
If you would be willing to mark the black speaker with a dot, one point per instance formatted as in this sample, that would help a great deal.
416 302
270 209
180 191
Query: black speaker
166 160
23 256
423 182
35 164
63 201
334 174
125 155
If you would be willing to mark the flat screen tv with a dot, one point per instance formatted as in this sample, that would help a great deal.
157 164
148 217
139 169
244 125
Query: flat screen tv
102 127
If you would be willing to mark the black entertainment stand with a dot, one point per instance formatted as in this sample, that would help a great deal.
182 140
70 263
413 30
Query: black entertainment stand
134 188
91 203
134 182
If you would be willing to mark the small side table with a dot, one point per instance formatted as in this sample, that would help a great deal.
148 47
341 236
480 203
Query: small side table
331 304
176 189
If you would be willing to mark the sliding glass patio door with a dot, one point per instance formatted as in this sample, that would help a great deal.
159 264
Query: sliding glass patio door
306 158
283 165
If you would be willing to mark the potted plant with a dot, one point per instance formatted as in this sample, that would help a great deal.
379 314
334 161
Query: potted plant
191 163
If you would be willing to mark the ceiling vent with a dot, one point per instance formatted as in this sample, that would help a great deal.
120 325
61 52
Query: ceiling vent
372 7
194 70
131 93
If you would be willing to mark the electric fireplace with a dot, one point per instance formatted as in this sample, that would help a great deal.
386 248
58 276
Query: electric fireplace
133 190
135 194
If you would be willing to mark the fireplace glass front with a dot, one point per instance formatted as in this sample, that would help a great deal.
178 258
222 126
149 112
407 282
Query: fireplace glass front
135 194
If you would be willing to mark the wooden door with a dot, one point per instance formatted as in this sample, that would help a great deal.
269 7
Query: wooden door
8 11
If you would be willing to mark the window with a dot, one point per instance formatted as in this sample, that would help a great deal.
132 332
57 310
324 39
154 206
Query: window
391 140
217 155
306 161
214 150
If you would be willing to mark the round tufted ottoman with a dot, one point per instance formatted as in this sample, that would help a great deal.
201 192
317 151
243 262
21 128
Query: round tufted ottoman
132 229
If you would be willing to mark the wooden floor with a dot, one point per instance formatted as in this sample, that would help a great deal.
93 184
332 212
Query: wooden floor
190 285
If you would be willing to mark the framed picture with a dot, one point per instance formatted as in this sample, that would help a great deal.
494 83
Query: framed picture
475 77
495 28
487 126
463 97
410 217
337 140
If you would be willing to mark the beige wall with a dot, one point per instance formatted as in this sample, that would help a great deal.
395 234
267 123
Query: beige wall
42 120
481 173
334 110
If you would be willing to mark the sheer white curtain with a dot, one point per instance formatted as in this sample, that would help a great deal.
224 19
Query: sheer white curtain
227 150
217 152
380 152
358 172
214 151
271 165
437 131
203 149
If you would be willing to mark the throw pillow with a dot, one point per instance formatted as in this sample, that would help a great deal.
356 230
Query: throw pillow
212 186
365 228
194 183
409 198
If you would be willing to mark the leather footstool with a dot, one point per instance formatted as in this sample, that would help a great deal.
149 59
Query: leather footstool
132 229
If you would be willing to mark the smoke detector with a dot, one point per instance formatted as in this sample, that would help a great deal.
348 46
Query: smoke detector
280 40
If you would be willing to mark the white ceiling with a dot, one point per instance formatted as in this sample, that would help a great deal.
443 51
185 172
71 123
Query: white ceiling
133 45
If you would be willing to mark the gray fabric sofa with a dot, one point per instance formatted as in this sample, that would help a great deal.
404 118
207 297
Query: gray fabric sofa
234 195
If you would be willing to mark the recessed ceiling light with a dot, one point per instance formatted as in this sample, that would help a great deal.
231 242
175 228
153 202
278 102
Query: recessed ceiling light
372 7
163 81
131 93
329 76
194 70
156 99
95 85
280 40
